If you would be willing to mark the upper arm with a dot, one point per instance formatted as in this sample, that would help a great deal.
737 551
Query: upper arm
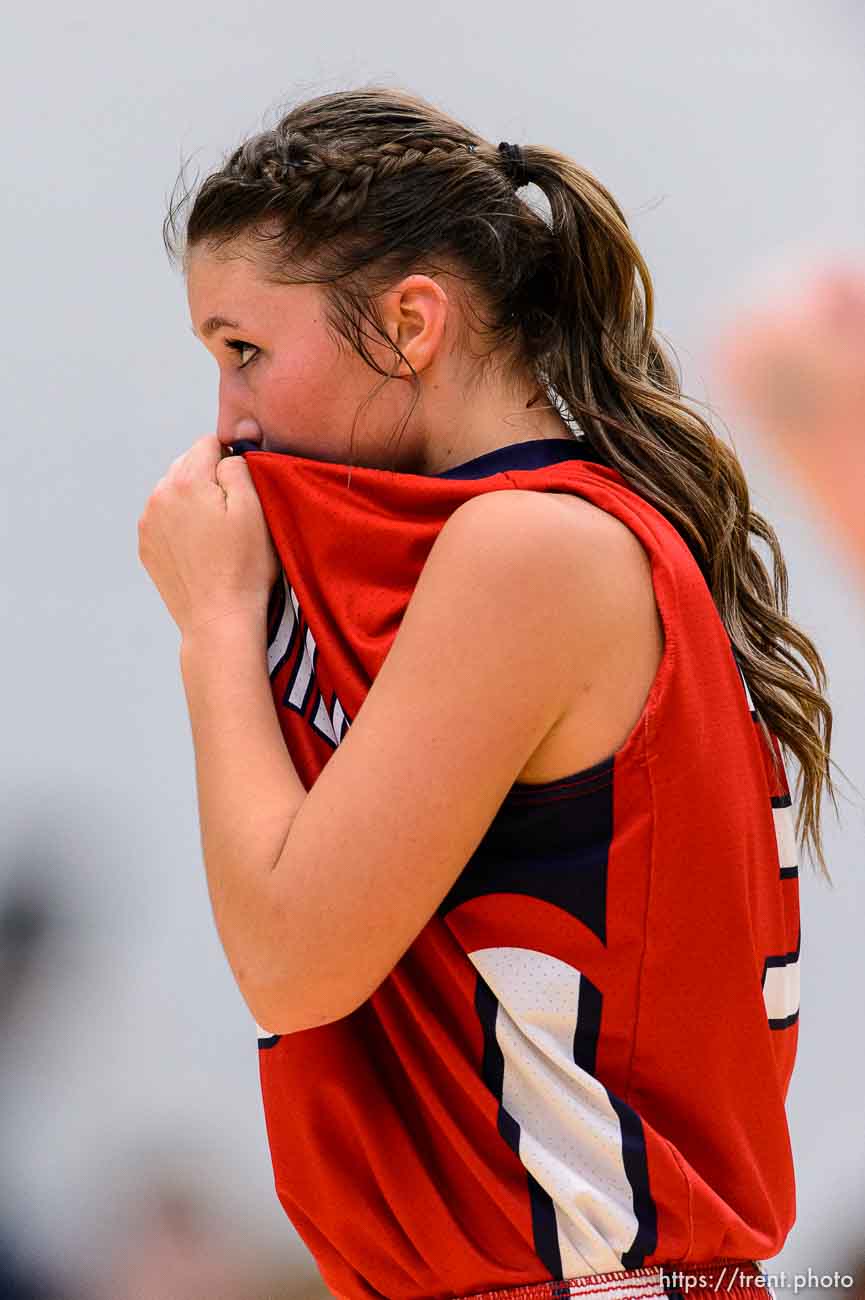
496 634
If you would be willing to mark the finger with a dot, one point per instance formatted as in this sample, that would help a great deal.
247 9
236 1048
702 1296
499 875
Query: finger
198 463
232 474
205 453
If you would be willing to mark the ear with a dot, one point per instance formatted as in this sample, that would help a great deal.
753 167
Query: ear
415 314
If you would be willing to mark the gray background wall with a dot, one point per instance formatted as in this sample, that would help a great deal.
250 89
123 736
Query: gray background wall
727 130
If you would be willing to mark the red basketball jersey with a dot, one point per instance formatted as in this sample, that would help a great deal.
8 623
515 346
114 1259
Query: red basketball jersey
581 1063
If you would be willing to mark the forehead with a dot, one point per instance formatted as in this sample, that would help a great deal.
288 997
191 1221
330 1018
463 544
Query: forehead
232 289
208 274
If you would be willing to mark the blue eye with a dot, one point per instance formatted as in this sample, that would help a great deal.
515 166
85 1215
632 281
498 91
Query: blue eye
238 345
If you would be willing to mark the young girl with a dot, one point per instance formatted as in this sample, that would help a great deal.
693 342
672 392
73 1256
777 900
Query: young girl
488 688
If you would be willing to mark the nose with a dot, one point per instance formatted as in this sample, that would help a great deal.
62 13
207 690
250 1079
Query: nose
246 430
233 424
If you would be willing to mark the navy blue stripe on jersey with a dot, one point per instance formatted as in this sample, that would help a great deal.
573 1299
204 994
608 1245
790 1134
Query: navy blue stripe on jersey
275 607
751 709
634 1156
533 454
785 958
242 446
637 1172
282 640
544 1229
588 1026
551 842
493 1064
784 1022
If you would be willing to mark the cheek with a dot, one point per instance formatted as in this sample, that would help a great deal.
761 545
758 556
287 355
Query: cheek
308 401
298 378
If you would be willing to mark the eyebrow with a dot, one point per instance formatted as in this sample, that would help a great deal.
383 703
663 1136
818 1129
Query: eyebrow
214 323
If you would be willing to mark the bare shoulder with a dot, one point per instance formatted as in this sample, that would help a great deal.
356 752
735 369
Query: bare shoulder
559 529
591 586
531 504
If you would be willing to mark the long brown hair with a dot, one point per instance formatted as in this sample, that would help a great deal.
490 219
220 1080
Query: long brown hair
356 189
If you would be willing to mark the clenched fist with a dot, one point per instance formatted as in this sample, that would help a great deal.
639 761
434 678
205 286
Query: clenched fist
204 541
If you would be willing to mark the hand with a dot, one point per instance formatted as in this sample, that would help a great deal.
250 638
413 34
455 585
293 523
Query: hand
798 365
798 361
204 541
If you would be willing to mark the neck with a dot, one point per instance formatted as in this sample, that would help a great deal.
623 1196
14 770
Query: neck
487 430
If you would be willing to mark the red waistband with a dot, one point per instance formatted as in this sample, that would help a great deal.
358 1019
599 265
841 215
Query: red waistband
733 1278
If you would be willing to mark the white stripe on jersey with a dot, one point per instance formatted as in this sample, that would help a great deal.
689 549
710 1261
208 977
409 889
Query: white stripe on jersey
781 990
282 637
570 1136
322 722
305 670
785 834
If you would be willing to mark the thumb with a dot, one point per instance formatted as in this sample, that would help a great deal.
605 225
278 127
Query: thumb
233 476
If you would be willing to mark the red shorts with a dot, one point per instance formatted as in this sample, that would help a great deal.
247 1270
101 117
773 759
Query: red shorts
737 1279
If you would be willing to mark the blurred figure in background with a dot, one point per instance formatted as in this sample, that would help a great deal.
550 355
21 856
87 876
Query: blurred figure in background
27 924
169 1243
175 1248
797 364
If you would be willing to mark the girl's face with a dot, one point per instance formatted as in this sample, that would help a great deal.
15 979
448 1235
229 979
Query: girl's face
286 380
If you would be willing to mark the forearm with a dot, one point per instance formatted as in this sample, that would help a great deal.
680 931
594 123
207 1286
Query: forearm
248 788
